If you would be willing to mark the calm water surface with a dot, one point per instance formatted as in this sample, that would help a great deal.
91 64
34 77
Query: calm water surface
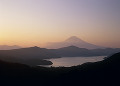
73 61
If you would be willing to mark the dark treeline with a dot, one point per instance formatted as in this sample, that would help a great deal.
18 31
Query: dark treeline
103 73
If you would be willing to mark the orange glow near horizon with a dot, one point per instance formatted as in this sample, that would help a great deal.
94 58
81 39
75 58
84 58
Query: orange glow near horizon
35 23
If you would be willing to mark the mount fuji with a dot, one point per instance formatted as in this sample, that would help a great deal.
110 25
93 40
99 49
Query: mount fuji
72 41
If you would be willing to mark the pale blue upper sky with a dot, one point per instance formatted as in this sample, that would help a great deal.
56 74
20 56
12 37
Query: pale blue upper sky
33 22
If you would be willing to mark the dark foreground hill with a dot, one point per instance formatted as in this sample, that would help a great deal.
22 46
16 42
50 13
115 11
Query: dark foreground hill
30 62
32 56
103 73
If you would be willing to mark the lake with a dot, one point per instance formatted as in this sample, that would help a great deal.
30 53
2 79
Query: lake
73 61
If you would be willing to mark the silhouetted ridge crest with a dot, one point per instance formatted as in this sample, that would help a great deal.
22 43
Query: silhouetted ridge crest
71 47
113 58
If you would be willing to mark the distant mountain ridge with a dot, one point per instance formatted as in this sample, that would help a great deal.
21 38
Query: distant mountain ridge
29 53
75 41
73 51
6 47
43 53
36 56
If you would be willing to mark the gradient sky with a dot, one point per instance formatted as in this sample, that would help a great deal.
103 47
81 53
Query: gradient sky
35 22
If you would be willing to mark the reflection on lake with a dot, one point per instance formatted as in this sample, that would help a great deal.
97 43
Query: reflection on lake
73 61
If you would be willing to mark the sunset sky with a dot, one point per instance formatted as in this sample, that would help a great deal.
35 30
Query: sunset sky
35 22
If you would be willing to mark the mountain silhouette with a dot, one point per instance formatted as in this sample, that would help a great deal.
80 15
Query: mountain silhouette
43 53
32 56
73 51
75 41
29 53
6 47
